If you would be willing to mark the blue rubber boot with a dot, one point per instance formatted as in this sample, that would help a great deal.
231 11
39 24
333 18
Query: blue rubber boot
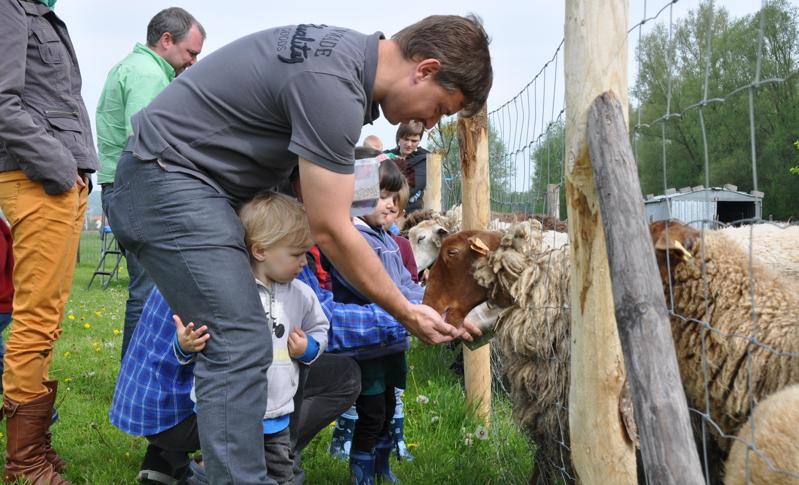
383 471
362 468
397 434
341 442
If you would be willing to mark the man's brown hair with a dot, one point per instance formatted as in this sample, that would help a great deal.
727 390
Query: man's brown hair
461 45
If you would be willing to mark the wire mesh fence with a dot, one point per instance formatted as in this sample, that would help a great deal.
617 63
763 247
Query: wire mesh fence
714 102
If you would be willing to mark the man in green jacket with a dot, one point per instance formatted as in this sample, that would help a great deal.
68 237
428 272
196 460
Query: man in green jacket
174 40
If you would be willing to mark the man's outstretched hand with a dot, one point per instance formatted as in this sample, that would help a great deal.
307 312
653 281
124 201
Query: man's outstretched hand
426 324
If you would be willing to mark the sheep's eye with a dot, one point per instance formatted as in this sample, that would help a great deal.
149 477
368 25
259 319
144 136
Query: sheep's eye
420 238
453 252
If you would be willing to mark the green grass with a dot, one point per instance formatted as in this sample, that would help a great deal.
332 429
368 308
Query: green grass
439 425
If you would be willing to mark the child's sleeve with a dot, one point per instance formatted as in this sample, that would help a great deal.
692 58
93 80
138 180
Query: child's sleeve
412 291
314 322
184 358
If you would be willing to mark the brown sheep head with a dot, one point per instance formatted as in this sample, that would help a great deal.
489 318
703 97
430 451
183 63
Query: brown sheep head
451 285
677 240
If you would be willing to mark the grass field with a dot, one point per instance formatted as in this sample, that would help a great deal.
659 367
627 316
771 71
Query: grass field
447 441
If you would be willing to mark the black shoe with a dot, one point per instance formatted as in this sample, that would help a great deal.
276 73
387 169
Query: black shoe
155 470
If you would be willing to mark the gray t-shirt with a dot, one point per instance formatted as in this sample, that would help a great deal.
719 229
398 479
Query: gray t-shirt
240 118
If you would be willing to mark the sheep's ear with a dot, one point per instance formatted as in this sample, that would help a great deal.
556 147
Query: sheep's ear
441 231
477 245
664 244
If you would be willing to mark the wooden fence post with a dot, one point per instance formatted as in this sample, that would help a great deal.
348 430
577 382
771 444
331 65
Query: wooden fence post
661 412
476 199
553 200
432 191
595 61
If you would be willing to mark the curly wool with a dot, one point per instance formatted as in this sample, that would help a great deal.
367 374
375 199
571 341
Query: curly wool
533 334
775 246
533 338
733 298
775 457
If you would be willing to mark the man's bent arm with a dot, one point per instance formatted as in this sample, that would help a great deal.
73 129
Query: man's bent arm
327 197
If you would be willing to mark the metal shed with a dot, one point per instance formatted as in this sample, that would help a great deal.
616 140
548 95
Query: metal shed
696 204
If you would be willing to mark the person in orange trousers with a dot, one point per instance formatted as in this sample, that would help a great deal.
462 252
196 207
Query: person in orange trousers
46 154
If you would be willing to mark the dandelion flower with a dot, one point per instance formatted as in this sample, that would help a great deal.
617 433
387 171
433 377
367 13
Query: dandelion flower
116 331
422 399
68 380
87 326
71 316
413 446
66 354
99 314
481 433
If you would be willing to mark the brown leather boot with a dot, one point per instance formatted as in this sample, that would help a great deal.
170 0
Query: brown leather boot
26 425
59 464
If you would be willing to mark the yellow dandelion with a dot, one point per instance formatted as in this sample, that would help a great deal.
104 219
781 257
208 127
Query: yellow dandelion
116 331
71 316
413 446
87 326
68 380
99 314
97 349
66 354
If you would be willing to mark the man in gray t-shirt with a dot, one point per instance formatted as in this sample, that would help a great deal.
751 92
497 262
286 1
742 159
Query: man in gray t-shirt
237 123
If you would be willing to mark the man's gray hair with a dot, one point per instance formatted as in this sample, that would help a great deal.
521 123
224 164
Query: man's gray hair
174 20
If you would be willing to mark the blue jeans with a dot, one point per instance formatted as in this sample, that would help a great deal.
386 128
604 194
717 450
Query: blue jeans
190 241
139 286
5 319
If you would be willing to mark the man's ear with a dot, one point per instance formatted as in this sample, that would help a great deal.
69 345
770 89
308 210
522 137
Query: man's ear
166 40
427 68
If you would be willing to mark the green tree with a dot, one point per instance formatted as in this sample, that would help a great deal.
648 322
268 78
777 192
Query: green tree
547 159
444 139
670 87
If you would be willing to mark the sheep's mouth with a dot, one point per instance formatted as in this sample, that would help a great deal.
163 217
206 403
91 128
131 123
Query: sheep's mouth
446 315
453 317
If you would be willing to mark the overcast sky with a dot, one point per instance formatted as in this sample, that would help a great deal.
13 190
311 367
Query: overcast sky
524 34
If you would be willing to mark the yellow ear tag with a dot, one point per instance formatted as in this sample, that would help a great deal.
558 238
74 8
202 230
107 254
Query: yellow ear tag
479 246
679 247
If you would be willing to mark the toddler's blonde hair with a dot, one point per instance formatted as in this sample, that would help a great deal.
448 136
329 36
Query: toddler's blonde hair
272 219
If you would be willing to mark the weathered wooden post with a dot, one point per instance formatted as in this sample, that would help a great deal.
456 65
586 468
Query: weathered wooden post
595 61
661 412
432 191
553 200
473 142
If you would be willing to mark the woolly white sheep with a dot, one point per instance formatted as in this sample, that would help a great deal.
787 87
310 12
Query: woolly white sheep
775 457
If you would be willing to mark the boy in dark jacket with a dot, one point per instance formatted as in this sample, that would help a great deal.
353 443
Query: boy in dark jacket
384 368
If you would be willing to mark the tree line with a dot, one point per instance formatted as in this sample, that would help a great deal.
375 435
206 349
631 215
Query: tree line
669 144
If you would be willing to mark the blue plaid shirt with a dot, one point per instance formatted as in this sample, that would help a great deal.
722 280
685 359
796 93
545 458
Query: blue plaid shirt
153 388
